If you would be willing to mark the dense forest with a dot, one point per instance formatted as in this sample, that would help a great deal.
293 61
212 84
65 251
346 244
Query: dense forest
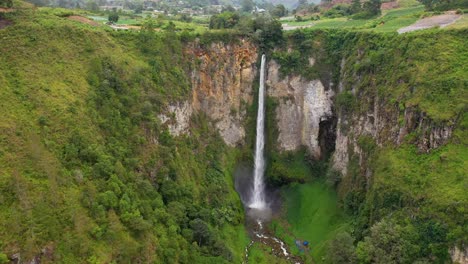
89 172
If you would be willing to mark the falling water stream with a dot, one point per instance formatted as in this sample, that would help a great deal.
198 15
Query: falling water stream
258 208
258 192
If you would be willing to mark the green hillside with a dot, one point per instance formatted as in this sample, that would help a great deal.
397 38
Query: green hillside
87 172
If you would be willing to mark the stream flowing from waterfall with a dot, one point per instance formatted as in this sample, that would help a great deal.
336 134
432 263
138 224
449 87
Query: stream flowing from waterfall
258 192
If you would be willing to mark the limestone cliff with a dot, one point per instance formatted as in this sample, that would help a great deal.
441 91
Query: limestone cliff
306 111
221 77
302 106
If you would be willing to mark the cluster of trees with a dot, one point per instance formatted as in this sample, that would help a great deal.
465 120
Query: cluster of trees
393 241
370 8
224 20
266 30
304 7
165 202
279 11
247 5
135 200
359 10
441 5
6 3
113 17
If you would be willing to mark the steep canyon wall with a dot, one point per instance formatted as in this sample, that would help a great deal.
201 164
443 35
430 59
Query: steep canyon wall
222 78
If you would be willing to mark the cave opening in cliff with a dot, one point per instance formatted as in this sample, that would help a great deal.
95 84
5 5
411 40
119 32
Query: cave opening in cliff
327 137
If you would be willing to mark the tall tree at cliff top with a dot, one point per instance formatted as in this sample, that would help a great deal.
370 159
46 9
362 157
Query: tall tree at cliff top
247 5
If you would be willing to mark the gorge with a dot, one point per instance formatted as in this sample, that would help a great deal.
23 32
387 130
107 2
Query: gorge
123 146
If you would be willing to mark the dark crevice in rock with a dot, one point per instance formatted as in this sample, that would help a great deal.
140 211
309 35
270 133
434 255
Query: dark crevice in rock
327 136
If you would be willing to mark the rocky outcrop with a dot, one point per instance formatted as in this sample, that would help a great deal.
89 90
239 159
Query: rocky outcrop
433 135
459 256
340 157
177 118
302 106
386 125
221 77
222 85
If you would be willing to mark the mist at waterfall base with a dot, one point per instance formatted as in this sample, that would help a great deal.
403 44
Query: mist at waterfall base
244 175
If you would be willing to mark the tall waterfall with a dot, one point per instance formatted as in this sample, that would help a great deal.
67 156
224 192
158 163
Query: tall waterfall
258 193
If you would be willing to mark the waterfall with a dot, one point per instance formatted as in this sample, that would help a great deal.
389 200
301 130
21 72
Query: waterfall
258 191
259 209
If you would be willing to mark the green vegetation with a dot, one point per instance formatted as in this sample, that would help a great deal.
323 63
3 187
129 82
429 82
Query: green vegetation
444 5
224 20
425 73
6 3
313 213
88 171
400 204
284 168
358 11
81 171
113 17
389 21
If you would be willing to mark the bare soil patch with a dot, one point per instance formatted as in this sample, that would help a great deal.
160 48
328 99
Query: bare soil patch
125 27
290 27
4 23
84 20
429 22
6 10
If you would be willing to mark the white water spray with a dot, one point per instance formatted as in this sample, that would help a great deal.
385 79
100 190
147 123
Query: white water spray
258 193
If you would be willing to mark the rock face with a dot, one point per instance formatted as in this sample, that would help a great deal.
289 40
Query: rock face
459 255
222 86
340 157
222 76
179 119
302 106
385 125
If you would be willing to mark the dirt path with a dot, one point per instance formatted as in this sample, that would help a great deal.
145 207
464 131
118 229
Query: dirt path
125 27
6 10
429 22
84 20
288 27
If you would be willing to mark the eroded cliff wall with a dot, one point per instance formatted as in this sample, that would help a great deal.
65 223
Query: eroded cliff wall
302 106
391 115
221 78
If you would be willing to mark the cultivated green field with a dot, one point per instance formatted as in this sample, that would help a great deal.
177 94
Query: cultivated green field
390 21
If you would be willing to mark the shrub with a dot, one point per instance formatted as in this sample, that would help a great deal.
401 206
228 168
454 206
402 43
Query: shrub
113 17
224 20
341 249
338 11
3 258
367 143
345 101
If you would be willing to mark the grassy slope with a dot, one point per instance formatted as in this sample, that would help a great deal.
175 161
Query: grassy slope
390 21
424 70
138 21
437 180
313 213
47 100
